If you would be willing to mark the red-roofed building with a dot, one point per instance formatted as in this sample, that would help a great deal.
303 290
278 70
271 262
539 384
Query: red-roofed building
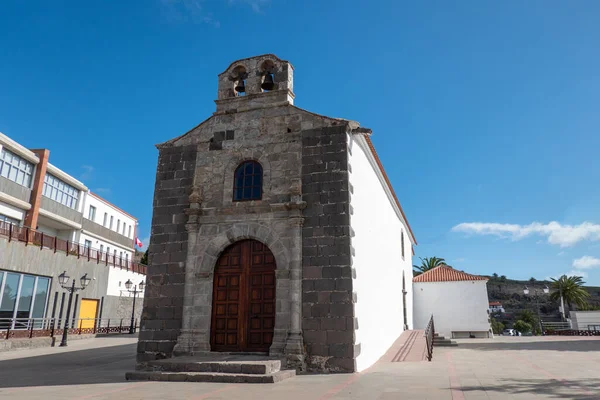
458 301
496 307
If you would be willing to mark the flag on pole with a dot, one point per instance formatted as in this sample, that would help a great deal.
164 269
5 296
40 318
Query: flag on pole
138 242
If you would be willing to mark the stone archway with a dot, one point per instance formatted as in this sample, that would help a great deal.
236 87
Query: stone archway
243 302
203 254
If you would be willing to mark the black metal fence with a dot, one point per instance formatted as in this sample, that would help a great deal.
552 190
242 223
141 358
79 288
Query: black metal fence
23 328
429 335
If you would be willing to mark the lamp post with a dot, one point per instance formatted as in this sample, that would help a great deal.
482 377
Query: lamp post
536 295
128 285
63 279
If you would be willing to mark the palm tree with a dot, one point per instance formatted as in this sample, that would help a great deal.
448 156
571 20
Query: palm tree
427 263
570 289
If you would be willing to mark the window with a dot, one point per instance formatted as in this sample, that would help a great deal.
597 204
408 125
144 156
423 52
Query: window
87 244
248 181
124 225
92 213
111 222
402 243
22 296
118 225
105 219
5 221
60 191
15 168
129 234
101 249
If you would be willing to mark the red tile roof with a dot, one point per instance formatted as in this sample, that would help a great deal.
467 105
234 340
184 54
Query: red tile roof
495 303
444 273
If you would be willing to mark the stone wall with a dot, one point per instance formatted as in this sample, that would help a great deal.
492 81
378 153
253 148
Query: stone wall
327 302
163 301
120 307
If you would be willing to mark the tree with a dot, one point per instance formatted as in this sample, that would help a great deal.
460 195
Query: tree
495 275
497 326
522 326
144 259
532 279
530 318
427 264
503 278
570 288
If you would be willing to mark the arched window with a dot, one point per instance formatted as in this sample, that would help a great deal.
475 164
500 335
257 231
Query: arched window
247 183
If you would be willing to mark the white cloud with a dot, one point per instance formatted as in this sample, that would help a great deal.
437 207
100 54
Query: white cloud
88 170
573 272
586 262
555 233
178 11
103 190
562 253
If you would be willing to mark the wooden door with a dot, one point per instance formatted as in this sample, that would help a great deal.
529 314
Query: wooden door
243 308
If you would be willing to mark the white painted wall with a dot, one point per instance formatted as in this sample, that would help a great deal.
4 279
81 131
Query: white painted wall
460 306
105 207
97 242
378 260
116 282
581 319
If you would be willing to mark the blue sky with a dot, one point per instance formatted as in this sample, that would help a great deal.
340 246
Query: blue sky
485 114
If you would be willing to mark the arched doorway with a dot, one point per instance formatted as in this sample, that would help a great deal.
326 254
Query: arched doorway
243 307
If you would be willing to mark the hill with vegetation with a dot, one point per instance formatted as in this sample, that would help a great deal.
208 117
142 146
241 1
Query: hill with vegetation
509 292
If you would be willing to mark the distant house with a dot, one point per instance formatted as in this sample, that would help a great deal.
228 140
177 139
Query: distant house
458 301
496 307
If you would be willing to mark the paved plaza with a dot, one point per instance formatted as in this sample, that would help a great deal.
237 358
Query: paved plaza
500 368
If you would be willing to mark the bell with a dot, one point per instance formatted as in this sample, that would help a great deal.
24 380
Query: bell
268 83
240 87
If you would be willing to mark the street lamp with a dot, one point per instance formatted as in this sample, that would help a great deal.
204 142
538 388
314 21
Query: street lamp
63 279
536 295
128 285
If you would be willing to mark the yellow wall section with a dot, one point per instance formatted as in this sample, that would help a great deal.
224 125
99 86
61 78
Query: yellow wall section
87 312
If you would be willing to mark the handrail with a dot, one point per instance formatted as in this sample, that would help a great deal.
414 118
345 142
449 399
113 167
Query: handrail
31 237
429 335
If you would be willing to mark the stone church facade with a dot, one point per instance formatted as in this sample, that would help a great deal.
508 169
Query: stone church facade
255 238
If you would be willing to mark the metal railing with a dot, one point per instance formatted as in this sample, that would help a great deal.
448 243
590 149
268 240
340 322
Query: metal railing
556 326
31 237
429 335
22 328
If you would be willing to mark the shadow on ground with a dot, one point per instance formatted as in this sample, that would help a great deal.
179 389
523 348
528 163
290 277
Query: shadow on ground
558 345
584 389
99 365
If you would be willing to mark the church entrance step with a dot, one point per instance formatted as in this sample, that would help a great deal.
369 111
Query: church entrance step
228 367
209 377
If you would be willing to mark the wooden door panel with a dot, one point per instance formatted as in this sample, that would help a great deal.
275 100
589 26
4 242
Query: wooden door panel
244 298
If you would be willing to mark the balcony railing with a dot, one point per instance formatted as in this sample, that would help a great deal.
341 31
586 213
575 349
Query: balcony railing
31 237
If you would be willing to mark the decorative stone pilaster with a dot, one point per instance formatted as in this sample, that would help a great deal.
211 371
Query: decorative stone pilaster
186 342
294 347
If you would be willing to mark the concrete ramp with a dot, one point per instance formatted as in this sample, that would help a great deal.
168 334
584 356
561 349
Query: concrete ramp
409 347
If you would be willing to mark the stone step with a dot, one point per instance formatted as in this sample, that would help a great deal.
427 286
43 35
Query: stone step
228 367
209 377
445 343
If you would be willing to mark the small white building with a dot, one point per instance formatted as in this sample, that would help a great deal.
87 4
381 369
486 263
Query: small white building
496 307
457 300
585 320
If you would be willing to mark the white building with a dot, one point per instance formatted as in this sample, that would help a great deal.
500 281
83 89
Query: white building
458 301
45 206
496 307
585 320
